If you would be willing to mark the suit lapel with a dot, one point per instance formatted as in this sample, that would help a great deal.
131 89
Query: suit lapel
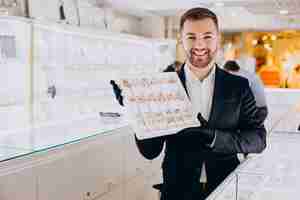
182 78
217 96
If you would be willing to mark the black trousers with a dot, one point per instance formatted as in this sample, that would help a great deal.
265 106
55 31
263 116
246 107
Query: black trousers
181 179
181 175
198 191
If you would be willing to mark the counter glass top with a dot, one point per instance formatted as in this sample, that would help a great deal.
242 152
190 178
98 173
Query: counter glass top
273 174
39 138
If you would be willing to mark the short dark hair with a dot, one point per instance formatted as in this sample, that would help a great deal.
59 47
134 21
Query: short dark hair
198 13
231 65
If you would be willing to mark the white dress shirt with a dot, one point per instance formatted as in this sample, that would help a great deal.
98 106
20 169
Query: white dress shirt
201 95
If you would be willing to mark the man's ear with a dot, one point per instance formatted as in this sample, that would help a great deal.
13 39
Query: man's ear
179 40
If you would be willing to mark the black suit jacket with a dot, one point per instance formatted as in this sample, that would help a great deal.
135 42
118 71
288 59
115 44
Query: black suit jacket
238 128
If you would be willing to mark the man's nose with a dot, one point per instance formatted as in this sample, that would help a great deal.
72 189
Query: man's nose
199 43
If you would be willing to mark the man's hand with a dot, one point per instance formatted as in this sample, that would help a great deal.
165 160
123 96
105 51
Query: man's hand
117 92
195 135
200 134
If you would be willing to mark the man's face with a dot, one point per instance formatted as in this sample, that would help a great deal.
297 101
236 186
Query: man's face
200 39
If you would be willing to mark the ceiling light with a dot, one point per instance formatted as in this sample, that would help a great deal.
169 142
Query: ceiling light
265 37
284 12
268 47
254 42
273 37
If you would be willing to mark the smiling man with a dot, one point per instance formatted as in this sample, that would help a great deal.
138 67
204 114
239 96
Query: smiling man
198 159
200 39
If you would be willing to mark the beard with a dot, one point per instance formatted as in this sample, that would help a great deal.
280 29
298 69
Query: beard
201 58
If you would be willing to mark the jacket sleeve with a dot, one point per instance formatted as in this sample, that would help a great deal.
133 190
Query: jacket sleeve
250 136
150 148
262 113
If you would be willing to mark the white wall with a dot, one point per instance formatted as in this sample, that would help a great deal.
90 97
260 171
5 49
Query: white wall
152 26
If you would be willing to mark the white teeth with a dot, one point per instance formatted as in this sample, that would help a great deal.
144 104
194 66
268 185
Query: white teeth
199 53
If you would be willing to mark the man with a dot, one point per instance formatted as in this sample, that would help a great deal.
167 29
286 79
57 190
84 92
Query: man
255 84
198 159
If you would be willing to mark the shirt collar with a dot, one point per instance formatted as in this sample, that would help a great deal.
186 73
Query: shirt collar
190 76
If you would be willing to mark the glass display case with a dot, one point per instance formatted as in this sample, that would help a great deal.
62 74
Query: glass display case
283 110
40 138
274 174
56 81
290 122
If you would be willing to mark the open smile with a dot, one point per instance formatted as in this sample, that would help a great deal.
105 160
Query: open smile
200 53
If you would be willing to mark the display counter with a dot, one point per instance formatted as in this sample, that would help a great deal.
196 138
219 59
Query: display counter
282 95
78 161
45 137
283 106
274 174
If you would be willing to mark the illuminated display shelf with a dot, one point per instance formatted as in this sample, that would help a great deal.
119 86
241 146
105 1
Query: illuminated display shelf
61 76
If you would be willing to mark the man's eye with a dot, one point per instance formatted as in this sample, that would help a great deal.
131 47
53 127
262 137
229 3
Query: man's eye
191 38
208 37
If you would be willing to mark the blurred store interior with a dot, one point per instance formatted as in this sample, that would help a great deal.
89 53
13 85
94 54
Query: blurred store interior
63 135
